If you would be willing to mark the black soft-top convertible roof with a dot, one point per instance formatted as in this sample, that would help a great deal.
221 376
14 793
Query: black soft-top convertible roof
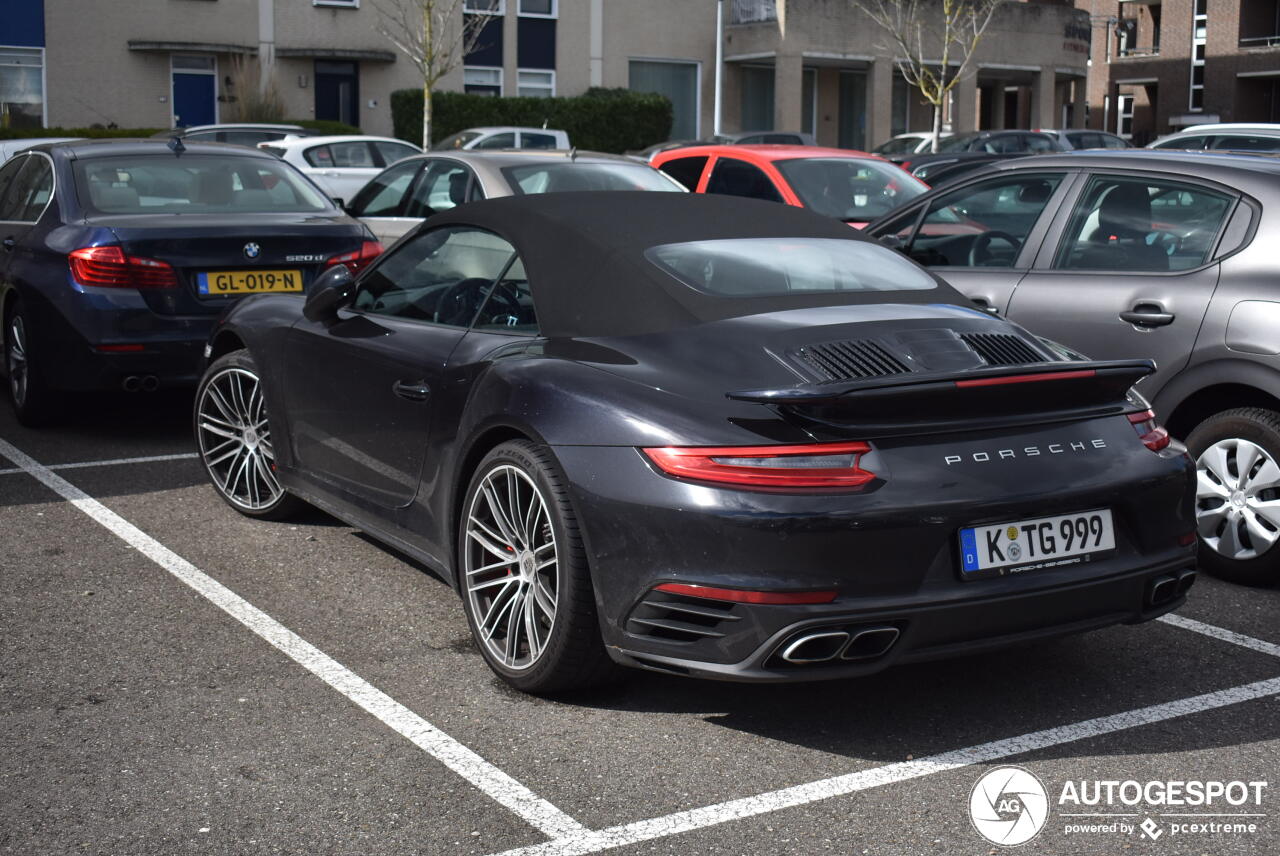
584 256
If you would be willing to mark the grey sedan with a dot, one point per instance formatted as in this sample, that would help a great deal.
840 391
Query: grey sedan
1136 253
407 192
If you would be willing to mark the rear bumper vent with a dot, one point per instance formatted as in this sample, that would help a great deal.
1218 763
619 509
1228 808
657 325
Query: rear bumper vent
677 618
1002 349
851 360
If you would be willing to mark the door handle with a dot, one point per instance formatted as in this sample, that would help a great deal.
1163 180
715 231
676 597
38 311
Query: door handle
1147 315
414 390
985 305
9 244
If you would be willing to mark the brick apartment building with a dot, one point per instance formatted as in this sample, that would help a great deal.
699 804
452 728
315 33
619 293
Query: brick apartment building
1161 65
811 65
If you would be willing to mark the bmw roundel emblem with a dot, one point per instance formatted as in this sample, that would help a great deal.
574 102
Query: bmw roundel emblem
251 250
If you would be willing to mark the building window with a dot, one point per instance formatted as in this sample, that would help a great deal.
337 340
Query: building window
679 82
482 81
756 109
21 87
538 8
484 7
536 84
1199 24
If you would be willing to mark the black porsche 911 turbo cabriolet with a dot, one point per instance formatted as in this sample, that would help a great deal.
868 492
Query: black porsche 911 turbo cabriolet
702 435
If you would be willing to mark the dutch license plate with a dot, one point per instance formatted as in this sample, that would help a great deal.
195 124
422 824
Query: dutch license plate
249 281
1028 545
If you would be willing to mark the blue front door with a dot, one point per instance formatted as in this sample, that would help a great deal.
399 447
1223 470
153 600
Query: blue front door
194 99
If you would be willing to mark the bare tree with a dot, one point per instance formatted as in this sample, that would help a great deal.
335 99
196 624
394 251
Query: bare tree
933 42
435 35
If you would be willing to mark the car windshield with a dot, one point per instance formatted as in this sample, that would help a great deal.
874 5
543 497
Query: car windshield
193 184
559 177
897 146
764 267
457 141
854 189
958 143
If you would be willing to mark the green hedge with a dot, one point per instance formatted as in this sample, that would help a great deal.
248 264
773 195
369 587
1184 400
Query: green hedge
602 120
324 126
28 133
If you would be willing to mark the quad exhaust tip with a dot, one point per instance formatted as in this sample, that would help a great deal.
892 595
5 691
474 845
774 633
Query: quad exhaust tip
825 645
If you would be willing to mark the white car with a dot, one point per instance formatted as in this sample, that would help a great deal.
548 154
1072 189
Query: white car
913 142
341 165
9 148
509 137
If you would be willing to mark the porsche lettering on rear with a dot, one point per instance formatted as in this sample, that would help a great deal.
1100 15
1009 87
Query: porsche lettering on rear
984 457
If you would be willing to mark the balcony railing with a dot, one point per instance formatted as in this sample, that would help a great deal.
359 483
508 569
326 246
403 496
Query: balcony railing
753 11
1260 41
1128 52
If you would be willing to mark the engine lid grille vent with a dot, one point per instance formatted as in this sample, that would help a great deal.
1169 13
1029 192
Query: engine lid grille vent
850 360
1002 349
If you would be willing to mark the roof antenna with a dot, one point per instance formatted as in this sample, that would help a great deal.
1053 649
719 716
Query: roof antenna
573 153
544 124
176 146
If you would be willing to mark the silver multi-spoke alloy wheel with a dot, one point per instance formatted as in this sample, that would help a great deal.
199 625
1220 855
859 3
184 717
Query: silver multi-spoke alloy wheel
1237 499
235 439
17 354
512 574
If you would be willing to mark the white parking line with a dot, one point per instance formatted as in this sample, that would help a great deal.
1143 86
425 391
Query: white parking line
583 843
487 778
111 463
1222 634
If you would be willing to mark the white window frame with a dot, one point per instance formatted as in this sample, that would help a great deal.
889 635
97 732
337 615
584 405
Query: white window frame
217 105
496 68
342 4
697 64
555 11
551 91
501 10
44 79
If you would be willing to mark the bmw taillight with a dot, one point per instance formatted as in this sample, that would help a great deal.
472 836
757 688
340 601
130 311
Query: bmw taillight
1152 435
109 267
818 466
357 259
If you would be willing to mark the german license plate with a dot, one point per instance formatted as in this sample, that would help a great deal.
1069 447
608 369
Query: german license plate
248 281
1028 545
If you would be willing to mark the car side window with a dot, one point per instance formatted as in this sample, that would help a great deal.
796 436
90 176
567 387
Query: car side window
384 195
1141 225
443 276
1248 143
1110 141
318 156
531 140
27 194
352 155
509 305
1196 142
443 186
983 224
498 141
733 177
7 174
687 171
1037 143
392 152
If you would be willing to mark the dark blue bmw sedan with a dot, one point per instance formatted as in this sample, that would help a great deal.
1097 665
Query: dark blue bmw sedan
118 255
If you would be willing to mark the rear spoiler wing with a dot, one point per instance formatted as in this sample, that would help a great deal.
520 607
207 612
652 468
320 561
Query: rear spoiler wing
1010 394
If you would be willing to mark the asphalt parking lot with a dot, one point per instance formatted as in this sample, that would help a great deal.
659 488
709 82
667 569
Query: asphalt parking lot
178 679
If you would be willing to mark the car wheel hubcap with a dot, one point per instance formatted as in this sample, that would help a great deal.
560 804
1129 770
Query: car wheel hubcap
512 573
17 354
1237 499
235 440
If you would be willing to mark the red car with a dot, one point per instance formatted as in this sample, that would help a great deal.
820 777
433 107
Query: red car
852 186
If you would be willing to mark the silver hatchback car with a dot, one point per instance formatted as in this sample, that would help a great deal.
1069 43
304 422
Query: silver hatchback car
1138 253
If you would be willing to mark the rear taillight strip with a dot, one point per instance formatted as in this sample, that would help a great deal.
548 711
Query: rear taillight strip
1025 378
777 467
1151 434
748 596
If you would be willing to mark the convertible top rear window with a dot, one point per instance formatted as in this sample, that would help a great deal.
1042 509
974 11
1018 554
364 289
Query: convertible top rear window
772 267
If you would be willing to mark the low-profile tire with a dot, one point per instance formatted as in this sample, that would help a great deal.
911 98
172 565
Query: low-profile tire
233 438
34 402
524 577
1237 456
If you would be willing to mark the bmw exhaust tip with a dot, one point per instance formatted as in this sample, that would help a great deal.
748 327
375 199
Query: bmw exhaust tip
815 647
132 383
870 643
150 383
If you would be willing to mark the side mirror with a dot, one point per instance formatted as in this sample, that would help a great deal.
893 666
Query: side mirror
331 291
340 202
893 242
